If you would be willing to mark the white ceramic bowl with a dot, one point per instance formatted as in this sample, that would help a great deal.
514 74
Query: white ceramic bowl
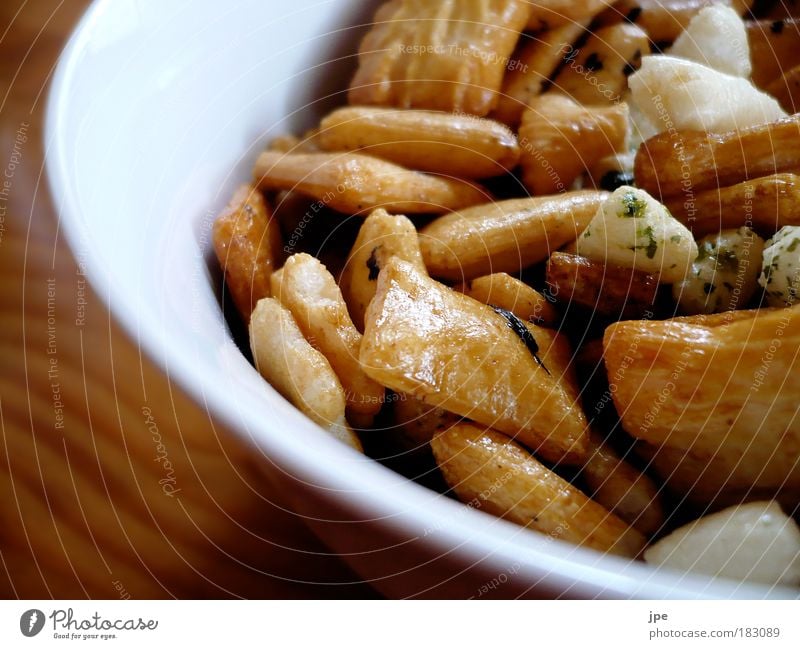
157 110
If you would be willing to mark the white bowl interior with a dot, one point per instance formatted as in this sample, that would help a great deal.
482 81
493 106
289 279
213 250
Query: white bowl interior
157 111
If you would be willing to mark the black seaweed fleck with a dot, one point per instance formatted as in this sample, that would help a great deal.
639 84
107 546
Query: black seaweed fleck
518 327
631 66
612 180
593 63
777 27
372 264
633 14
660 46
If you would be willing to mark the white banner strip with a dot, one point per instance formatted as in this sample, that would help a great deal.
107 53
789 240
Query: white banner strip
405 625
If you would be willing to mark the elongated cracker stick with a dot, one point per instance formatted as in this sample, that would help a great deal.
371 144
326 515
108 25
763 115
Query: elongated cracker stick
505 236
549 14
561 140
786 89
247 241
500 289
308 143
615 484
297 370
774 48
419 421
443 143
621 488
537 60
687 162
598 71
381 237
354 183
765 204
608 290
489 470
310 292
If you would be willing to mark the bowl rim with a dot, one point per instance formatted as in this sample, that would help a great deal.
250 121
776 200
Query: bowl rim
490 541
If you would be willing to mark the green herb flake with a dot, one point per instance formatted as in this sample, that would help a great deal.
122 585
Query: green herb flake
651 247
793 245
632 207
676 238
723 258
652 243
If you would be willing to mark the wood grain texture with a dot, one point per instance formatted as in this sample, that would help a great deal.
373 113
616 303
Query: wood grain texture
87 508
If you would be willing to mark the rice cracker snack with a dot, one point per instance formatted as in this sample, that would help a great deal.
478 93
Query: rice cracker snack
449 55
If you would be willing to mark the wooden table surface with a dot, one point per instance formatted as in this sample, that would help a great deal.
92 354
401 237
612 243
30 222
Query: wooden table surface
89 506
